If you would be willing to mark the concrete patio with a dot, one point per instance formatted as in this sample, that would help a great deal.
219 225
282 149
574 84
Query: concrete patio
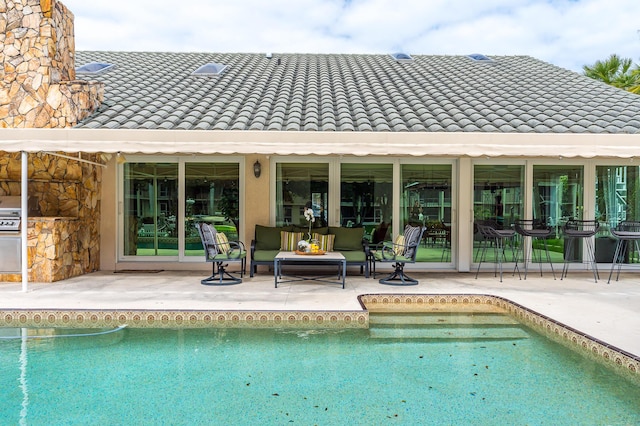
608 312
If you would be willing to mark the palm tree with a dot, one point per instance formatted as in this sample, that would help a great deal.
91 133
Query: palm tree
616 71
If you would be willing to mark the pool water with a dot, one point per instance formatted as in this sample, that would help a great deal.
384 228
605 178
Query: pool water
408 369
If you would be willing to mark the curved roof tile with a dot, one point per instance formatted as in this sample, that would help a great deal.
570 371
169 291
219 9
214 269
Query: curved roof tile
355 92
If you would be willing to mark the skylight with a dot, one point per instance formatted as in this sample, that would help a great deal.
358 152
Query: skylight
210 69
479 57
402 57
94 68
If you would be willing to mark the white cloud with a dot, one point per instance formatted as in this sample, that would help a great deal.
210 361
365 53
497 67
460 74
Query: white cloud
568 33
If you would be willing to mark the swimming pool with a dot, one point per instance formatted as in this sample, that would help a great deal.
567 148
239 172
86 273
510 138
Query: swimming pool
437 368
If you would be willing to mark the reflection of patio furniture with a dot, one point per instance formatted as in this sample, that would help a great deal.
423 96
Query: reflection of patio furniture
497 238
446 247
576 230
220 251
435 234
534 230
628 235
399 253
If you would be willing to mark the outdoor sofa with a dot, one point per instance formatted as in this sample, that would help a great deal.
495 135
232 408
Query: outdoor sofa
348 241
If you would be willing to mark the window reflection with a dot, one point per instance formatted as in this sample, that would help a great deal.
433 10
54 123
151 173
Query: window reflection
301 185
211 195
616 201
151 205
365 198
151 208
557 198
497 194
497 198
426 201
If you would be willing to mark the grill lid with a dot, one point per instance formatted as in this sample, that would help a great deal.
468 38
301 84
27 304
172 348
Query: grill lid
10 205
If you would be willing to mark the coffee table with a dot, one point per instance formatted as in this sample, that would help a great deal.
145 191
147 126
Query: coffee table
292 258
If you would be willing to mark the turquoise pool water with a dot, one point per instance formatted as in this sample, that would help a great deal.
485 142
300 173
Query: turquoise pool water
426 369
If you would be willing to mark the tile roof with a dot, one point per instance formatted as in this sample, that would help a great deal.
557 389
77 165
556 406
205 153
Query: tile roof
366 93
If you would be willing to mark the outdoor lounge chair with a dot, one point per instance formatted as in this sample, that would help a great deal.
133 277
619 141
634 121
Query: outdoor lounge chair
221 252
402 251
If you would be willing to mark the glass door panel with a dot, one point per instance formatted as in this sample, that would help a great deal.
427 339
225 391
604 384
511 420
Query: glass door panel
426 201
557 198
298 186
211 195
617 200
497 198
151 209
366 192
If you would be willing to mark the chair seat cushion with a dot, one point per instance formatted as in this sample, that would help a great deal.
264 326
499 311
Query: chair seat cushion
230 256
377 255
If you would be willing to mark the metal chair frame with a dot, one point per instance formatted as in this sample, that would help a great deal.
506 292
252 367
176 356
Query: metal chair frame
387 253
580 230
628 234
532 229
497 238
212 252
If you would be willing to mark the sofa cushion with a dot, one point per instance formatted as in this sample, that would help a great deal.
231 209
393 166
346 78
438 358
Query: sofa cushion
353 256
289 240
265 255
268 237
347 238
322 231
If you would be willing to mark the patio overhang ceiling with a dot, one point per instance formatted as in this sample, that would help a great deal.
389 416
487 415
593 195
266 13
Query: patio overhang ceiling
322 143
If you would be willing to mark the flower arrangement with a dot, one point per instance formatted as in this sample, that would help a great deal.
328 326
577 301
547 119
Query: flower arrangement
308 214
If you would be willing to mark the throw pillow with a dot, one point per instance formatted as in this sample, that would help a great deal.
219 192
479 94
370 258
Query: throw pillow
222 242
411 238
289 240
347 238
398 245
324 241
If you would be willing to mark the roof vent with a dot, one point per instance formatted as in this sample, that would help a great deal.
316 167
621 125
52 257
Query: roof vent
402 57
94 68
210 70
479 57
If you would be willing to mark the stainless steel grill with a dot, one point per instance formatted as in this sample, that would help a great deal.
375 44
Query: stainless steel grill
10 214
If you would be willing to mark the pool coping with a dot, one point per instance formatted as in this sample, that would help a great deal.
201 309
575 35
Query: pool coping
590 346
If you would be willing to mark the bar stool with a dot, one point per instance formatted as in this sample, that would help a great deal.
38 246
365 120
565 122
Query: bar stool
534 230
628 234
491 235
577 230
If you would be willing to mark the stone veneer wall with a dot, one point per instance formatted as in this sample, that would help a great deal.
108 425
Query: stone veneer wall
64 206
37 53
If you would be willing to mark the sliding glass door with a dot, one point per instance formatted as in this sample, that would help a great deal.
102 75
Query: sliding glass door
163 200
151 209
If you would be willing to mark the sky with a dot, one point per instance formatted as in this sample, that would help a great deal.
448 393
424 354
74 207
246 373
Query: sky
567 33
